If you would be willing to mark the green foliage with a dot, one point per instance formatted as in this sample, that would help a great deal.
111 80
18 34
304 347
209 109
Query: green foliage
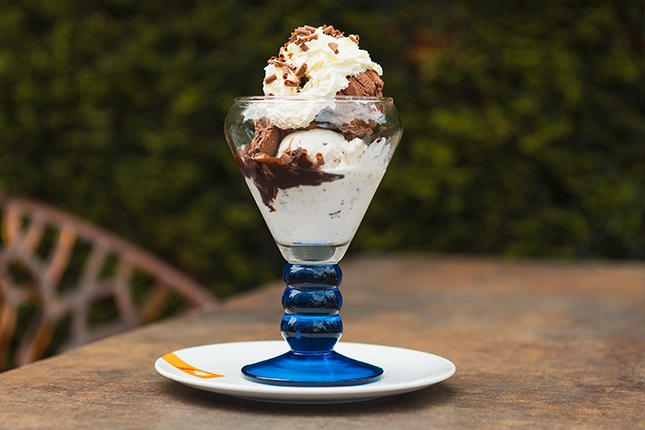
525 131
525 134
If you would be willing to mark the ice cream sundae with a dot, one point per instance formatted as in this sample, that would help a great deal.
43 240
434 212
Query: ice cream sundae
313 150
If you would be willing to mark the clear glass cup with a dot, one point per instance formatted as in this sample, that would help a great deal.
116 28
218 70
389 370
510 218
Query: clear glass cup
312 165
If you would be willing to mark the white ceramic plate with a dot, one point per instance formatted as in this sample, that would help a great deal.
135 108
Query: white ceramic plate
217 367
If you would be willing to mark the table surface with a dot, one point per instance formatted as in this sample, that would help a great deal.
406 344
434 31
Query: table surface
536 344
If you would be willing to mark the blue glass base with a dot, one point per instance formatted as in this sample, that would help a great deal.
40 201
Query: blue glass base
311 325
314 370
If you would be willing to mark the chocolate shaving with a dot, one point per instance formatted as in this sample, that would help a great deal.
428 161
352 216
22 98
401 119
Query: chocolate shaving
354 38
320 160
290 83
270 79
301 70
285 72
302 35
304 47
331 31
333 46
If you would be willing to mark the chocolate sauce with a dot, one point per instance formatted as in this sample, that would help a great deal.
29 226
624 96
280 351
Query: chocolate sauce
271 174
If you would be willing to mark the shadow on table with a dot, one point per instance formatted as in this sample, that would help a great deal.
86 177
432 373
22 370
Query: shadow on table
429 397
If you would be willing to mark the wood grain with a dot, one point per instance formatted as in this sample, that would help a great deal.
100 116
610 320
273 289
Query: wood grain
536 345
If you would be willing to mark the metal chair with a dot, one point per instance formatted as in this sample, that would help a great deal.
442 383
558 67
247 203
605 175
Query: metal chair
57 270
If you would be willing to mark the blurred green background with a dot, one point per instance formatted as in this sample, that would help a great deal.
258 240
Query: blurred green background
524 124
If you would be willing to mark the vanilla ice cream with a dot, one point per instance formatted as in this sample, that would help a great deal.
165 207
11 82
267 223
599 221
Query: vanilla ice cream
332 146
328 214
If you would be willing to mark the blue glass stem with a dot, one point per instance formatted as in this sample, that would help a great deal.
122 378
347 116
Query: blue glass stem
312 326
312 302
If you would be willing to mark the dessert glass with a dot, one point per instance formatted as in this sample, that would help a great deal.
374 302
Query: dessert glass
313 204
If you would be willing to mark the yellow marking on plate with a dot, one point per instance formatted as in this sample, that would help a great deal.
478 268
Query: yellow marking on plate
180 364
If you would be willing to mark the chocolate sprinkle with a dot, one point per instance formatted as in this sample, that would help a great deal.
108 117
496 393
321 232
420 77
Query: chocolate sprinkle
301 70
331 31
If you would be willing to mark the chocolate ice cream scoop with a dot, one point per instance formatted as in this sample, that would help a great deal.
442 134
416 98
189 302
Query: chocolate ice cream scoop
267 138
368 83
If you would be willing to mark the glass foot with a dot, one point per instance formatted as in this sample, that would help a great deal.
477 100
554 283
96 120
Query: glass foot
314 370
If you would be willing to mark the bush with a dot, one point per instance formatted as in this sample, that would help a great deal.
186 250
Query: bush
524 124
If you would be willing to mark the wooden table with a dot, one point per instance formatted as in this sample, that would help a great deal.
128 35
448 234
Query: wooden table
536 345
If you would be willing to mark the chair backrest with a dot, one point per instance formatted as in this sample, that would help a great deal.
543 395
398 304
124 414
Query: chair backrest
64 280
